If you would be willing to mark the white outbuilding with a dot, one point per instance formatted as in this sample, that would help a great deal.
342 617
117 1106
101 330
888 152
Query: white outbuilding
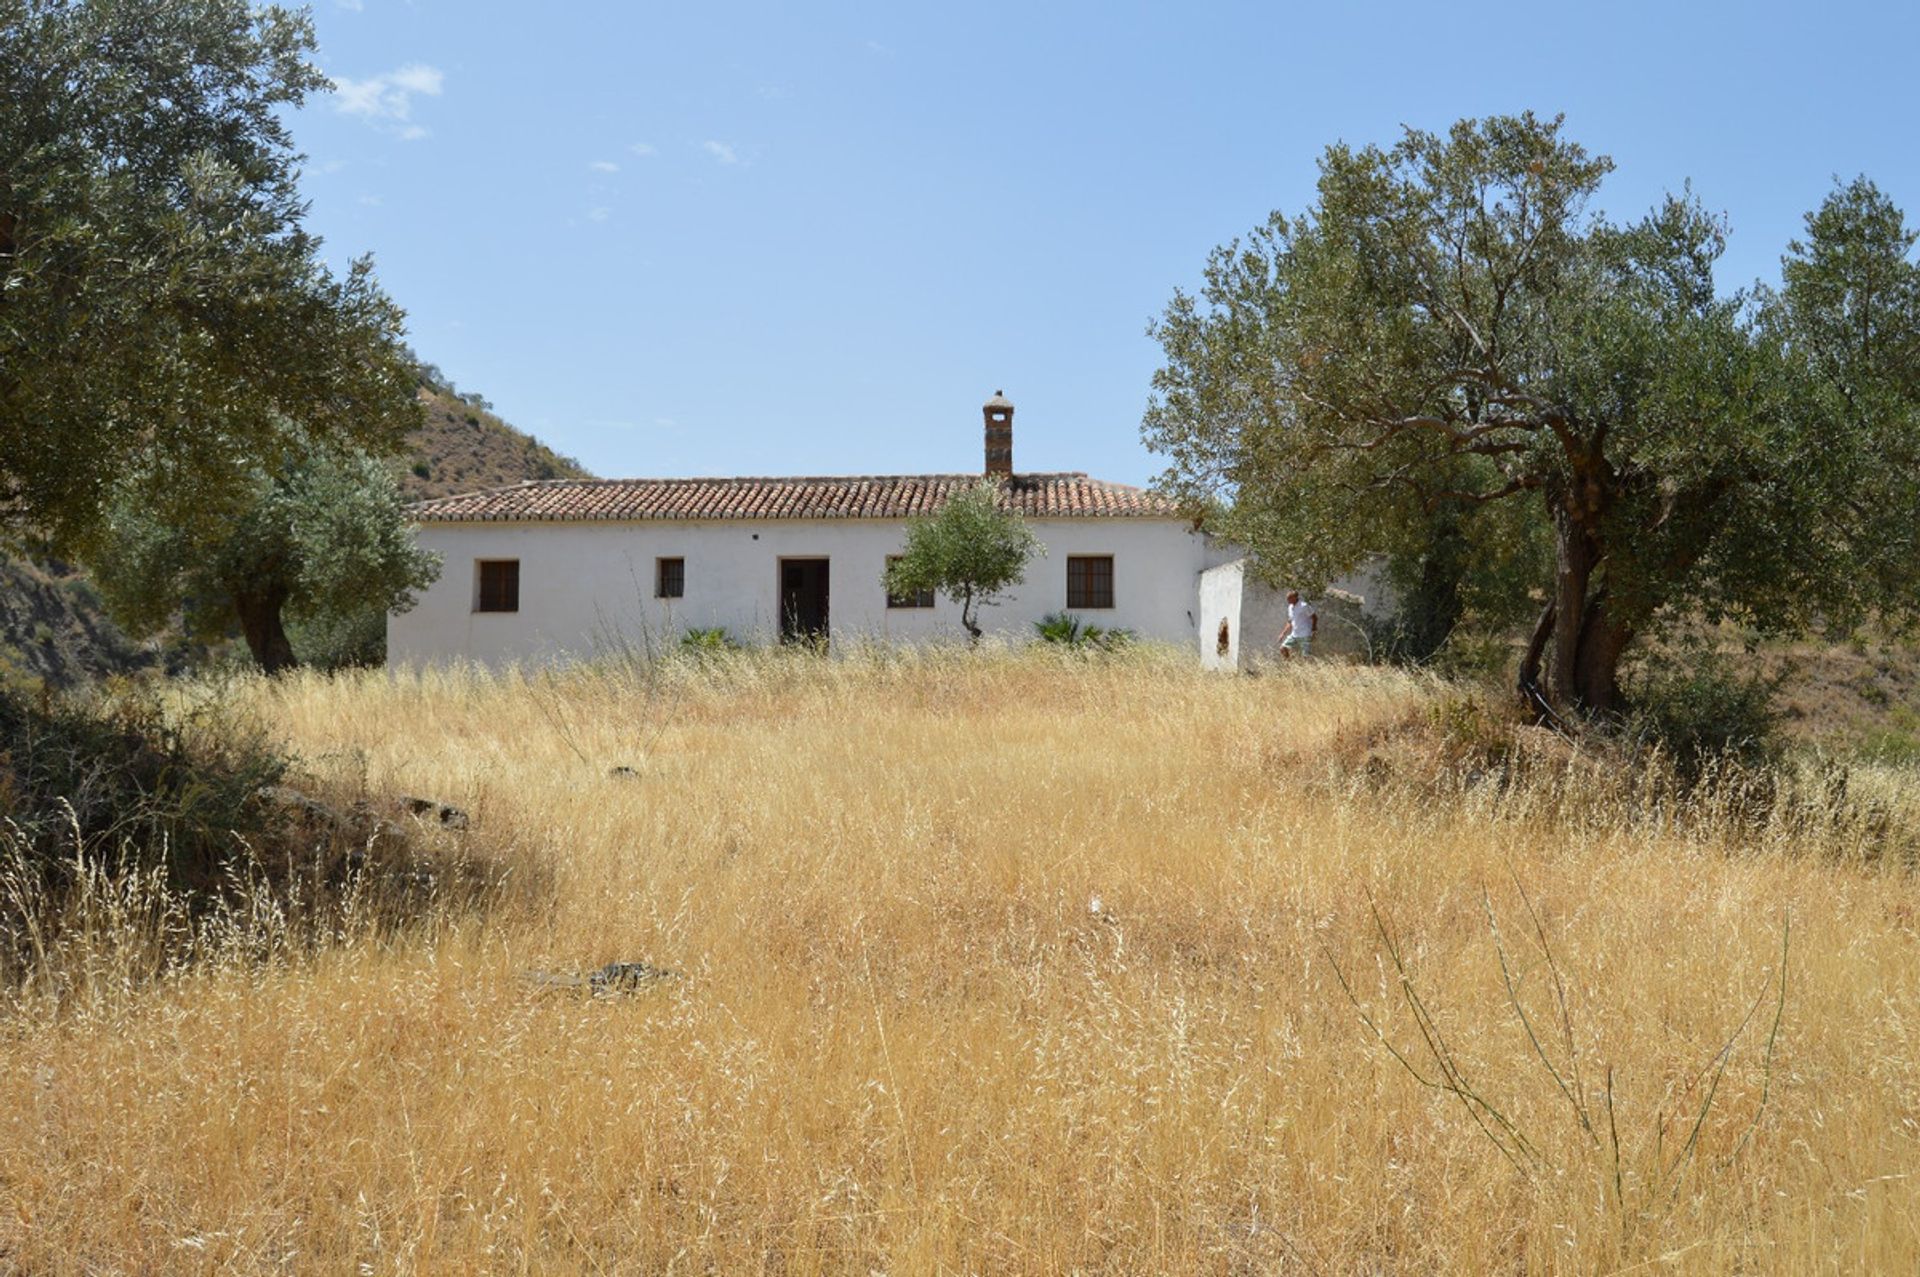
561 569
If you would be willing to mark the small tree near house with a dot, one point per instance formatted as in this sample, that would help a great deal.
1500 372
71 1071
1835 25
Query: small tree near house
972 551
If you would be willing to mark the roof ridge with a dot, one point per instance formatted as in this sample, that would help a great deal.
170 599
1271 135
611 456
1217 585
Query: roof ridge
1041 494
484 492
781 478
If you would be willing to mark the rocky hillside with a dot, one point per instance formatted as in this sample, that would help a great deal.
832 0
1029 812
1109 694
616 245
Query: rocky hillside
53 631
464 447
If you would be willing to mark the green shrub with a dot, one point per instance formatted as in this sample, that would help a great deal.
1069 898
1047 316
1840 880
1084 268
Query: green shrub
1703 715
332 643
191 816
83 594
1477 657
711 640
1891 745
184 791
1071 631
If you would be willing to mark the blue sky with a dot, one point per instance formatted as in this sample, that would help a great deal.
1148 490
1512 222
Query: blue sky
710 239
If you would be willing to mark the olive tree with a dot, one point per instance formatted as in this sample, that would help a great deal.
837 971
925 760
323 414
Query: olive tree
1451 326
163 313
322 537
973 550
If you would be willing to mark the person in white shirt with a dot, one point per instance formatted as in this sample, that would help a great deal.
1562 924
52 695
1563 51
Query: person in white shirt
1302 624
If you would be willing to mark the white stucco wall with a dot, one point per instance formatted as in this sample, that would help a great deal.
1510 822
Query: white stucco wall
1220 594
589 587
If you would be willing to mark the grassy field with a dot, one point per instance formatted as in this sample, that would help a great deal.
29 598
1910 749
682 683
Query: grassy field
1010 964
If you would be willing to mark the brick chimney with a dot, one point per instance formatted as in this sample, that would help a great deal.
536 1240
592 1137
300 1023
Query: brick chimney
999 414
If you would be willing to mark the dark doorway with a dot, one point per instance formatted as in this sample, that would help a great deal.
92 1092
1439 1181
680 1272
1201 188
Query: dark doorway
803 600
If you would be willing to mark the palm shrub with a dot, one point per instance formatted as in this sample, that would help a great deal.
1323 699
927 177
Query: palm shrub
709 640
1068 630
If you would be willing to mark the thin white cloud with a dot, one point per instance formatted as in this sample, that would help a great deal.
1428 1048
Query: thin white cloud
351 6
418 77
641 148
358 97
604 166
599 213
386 100
721 151
371 201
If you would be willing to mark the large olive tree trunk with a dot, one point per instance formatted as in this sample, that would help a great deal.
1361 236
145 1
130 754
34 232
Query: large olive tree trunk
1579 629
259 611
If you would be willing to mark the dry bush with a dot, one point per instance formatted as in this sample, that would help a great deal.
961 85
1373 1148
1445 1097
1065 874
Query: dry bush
141 838
1474 745
1001 964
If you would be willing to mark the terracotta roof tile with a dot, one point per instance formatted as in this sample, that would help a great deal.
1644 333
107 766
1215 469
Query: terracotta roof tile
1037 496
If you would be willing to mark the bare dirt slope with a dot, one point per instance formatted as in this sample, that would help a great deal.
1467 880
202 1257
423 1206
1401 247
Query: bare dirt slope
464 448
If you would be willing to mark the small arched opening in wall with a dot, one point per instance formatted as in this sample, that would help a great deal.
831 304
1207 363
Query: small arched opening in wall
1223 642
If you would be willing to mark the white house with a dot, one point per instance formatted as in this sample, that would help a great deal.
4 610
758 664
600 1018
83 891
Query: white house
559 568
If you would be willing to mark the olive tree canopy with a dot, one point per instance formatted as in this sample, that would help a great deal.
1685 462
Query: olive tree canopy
163 315
1451 326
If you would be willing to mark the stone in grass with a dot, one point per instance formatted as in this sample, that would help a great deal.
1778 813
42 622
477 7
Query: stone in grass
357 822
627 976
623 772
615 977
432 808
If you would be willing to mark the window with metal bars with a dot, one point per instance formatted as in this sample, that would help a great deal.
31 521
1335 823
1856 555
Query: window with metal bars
919 598
1090 580
498 585
671 579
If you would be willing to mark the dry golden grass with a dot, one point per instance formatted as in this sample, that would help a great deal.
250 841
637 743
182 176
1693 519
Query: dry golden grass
907 1040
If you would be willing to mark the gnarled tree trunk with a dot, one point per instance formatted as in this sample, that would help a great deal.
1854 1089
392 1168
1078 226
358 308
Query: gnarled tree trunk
1529 681
259 612
1587 639
1596 671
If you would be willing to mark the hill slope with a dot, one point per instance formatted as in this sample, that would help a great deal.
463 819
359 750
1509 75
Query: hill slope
53 630
463 447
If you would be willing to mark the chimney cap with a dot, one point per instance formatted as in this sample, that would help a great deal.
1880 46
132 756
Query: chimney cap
999 400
